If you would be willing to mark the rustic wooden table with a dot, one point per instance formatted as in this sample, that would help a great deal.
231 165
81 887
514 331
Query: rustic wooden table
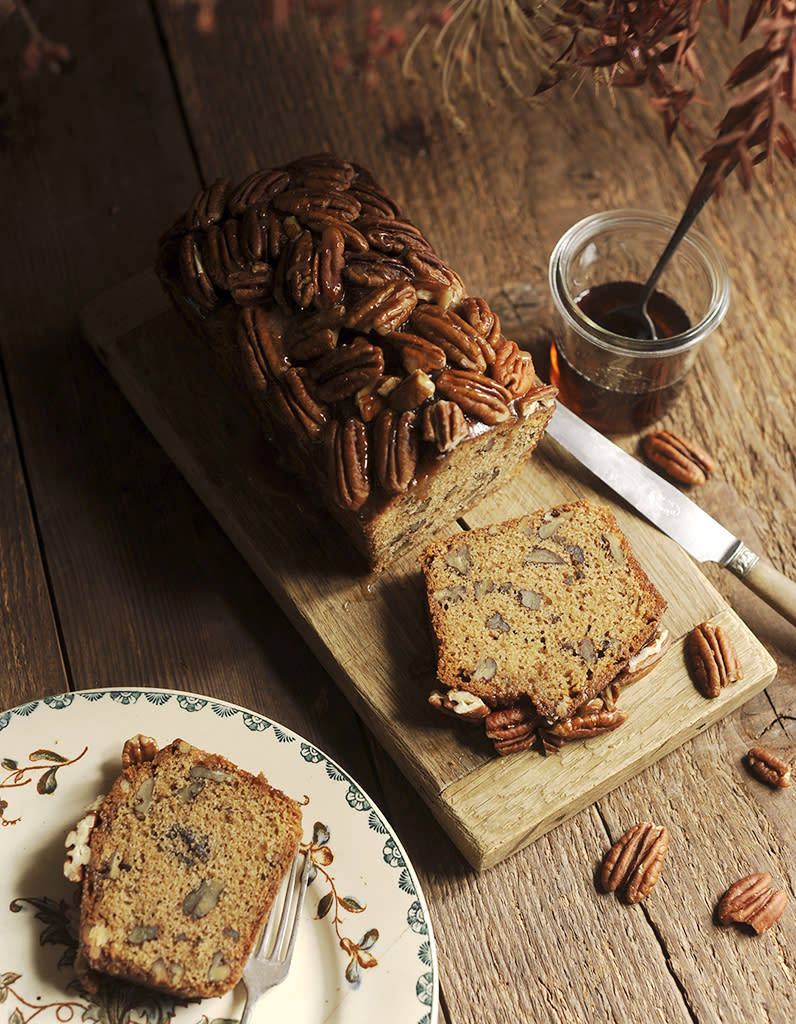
113 573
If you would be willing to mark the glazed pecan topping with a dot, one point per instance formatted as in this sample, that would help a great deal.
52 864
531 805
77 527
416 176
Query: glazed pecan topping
751 900
457 339
195 280
513 368
221 252
383 310
257 190
301 270
308 337
712 659
252 285
331 260
394 237
633 864
413 390
444 424
296 406
373 270
307 202
395 449
261 344
682 460
485 322
343 371
417 353
768 768
347 451
208 205
478 396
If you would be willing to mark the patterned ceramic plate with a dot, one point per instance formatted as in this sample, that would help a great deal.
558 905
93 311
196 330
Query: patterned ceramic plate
365 944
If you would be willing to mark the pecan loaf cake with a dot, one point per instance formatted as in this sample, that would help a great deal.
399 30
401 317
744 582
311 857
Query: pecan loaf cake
386 388
179 865
535 618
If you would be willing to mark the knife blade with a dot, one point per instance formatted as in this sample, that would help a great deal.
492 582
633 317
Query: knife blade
670 510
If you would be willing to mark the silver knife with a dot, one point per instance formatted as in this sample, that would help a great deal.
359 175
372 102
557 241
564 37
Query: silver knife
670 510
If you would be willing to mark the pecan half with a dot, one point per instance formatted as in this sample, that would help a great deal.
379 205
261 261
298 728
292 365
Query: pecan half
384 309
301 269
444 425
252 284
682 460
308 337
347 452
460 703
257 190
712 659
478 396
373 200
486 323
343 371
261 345
587 724
633 864
394 237
207 206
511 729
221 252
331 260
434 279
307 202
193 275
751 900
374 270
395 453
296 406
768 768
138 750
513 368
451 333
417 353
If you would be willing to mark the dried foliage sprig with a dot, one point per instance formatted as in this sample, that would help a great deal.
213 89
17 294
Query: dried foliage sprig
39 53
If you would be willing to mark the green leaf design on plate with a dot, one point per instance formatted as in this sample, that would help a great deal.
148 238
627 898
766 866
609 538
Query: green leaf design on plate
48 755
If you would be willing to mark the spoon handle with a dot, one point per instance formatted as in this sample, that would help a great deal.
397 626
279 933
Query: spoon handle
689 216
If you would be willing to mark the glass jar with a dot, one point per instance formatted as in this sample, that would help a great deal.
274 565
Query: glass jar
615 382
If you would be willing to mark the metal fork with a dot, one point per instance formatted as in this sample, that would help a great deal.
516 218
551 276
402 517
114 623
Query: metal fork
269 964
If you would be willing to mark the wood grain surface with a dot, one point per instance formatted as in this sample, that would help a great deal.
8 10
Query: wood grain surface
114 573
370 630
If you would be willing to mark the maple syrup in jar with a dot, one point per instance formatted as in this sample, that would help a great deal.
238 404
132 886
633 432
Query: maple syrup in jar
605 372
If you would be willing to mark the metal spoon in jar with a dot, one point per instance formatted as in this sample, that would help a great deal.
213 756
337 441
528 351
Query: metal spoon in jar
632 320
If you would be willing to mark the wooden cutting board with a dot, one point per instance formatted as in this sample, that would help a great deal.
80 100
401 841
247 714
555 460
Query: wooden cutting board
370 631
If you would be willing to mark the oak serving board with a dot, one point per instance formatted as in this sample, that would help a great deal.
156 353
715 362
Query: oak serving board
370 632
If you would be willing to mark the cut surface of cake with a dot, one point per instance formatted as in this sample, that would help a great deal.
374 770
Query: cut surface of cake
179 865
543 610
386 389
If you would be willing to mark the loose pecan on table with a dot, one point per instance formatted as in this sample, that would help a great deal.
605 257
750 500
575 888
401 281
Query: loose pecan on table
682 460
633 864
712 659
751 900
768 767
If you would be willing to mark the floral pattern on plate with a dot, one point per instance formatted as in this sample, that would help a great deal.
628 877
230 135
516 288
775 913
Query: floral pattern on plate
58 753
